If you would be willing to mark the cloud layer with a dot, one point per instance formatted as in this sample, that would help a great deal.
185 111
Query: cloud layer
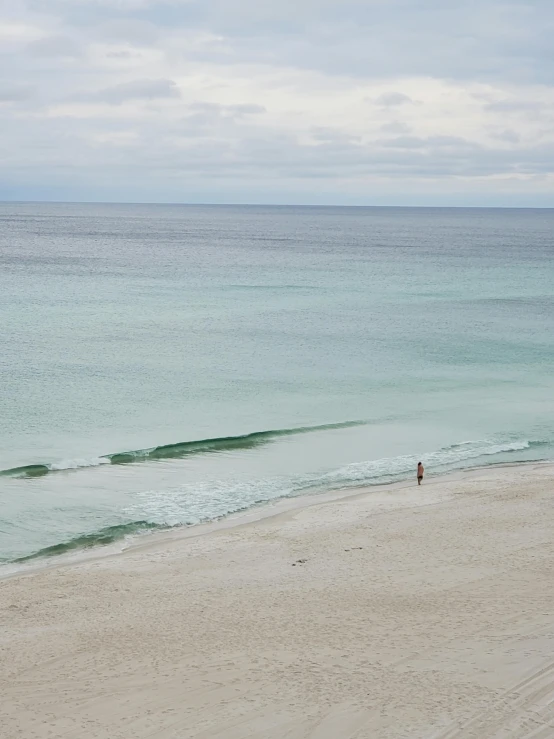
358 101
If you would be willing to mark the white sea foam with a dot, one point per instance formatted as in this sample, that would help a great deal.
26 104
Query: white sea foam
447 457
197 502
75 464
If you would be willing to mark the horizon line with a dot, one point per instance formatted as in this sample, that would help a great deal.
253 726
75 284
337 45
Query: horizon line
272 205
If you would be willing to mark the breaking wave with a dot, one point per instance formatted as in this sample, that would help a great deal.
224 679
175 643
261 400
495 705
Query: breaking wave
102 537
176 451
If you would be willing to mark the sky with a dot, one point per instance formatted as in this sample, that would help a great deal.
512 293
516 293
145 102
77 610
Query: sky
355 102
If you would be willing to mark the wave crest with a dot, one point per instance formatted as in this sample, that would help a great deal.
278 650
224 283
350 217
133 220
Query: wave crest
102 537
178 450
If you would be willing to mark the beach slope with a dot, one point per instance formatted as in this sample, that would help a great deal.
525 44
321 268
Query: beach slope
399 612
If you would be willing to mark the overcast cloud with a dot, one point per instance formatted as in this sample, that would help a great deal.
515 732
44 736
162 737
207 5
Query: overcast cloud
316 101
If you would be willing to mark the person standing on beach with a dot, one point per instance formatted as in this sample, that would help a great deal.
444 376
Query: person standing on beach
420 471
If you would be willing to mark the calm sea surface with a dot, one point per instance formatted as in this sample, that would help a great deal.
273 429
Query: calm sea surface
139 341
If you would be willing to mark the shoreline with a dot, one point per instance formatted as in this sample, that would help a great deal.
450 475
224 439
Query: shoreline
265 510
398 613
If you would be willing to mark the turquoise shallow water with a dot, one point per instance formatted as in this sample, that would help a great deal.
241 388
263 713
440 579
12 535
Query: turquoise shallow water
129 333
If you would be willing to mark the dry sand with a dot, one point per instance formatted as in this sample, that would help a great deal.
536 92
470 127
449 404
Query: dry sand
418 612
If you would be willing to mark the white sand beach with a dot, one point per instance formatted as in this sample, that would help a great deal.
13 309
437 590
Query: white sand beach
391 612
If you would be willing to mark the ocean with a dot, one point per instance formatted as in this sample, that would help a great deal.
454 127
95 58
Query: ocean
165 365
